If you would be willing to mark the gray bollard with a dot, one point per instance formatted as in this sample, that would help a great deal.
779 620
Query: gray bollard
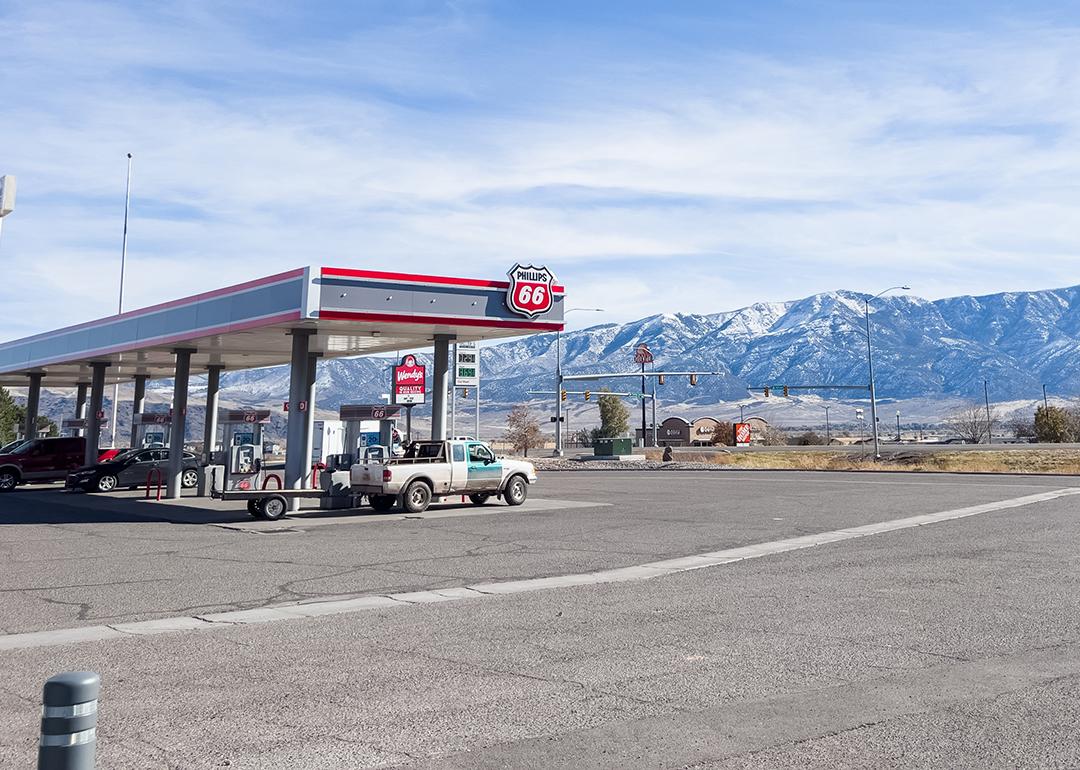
69 722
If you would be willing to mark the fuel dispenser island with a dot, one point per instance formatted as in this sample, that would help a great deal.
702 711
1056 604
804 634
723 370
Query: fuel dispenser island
242 453
367 425
152 429
241 462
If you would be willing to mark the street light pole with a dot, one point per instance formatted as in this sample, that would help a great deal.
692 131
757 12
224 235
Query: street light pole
120 299
870 362
897 426
989 425
1046 404
828 432
559 379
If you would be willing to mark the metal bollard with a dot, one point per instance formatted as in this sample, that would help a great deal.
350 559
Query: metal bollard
69 722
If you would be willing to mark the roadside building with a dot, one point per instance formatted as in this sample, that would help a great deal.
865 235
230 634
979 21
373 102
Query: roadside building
703 431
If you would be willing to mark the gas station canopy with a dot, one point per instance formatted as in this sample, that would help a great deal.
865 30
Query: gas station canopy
348 312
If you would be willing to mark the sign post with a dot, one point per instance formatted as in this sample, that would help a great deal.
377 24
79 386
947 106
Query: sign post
642 355
467 373
409 388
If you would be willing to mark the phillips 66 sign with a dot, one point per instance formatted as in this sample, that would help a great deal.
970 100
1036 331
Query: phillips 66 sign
409 381
529 293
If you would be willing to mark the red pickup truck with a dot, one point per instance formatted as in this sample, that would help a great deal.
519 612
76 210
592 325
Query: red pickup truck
42 459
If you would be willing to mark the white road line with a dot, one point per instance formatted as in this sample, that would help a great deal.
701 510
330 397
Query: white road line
619 575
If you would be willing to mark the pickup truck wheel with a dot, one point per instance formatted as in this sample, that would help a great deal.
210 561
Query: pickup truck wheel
9 479
480 498
417 497
254 509
106 483
516 491
273 507
382 503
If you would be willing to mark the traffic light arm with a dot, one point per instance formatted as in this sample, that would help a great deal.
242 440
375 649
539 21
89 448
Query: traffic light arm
639 374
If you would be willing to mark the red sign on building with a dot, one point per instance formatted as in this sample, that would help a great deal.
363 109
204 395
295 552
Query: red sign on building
410 381
742 434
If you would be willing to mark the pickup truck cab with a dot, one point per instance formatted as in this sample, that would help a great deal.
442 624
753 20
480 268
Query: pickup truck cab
433 469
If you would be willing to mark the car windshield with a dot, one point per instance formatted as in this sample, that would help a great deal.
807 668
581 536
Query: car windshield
8 449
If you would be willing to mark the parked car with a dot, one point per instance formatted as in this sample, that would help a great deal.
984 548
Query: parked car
41 459
132 469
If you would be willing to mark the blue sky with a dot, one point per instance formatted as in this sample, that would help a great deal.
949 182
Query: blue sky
659 156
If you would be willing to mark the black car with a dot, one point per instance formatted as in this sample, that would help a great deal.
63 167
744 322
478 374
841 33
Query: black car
131 469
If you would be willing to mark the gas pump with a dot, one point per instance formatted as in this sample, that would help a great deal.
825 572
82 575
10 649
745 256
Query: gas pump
243 447
152 429
367 425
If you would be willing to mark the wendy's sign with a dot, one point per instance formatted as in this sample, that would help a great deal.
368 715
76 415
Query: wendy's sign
410 381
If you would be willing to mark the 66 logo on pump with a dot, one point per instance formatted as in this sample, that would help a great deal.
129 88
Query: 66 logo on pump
529 293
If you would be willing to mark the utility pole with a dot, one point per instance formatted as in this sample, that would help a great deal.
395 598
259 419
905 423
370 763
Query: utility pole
897 426
873 399
828 433
870 362
643 431
1046 404
989 425
654 442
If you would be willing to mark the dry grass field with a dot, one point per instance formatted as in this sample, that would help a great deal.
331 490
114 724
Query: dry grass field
1064 461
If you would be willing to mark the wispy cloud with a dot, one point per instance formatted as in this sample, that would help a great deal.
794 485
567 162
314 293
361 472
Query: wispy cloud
650 169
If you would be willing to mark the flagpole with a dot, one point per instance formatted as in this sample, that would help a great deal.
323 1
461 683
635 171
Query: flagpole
120 299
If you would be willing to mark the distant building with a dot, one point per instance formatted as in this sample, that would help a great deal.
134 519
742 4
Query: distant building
703 432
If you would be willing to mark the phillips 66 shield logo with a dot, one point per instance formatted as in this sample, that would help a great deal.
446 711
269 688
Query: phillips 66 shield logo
529 293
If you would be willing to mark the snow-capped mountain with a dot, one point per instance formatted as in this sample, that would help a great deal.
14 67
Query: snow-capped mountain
938 351
1017 341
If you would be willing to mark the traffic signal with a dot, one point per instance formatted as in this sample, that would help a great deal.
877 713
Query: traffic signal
588 394
564 395
660 379
766 391
785 391
693 379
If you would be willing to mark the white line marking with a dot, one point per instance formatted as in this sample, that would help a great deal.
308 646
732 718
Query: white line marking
619 575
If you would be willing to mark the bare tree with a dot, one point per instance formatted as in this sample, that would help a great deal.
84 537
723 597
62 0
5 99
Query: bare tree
724 434
969 423
523 430
772 436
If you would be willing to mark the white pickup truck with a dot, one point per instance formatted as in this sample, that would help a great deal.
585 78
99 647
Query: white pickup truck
434 469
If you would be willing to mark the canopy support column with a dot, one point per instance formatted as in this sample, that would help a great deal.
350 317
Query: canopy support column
296 429
97 406
440 384
80 407
309 415
210 424
179 422
33 400
138 405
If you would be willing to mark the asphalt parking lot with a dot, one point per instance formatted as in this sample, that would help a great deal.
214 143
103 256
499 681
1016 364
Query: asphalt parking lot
951 643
